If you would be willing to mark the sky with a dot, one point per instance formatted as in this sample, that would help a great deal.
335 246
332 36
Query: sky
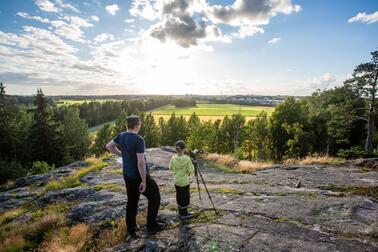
206 47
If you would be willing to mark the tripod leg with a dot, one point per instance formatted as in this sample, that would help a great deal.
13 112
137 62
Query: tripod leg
198 186
207 191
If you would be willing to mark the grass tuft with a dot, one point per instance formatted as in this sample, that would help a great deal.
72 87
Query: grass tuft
67 239
95 164
115 171
110 186
219 190
315 159
369 191
235 165
10 215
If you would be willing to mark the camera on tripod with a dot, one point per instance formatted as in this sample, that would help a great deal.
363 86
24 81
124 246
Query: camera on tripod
197 171
195 152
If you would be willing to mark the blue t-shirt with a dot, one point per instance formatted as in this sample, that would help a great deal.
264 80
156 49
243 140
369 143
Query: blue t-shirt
130 144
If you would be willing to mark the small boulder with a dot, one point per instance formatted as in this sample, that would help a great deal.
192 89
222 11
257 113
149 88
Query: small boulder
38 179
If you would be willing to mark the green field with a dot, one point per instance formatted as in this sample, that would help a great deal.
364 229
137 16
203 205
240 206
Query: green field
205 111
71 102
93 130
212 111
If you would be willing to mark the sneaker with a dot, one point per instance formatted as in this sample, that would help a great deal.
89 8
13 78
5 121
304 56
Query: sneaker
155 228
131 236
187 215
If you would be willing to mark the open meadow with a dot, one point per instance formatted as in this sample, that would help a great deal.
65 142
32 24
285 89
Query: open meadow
207 111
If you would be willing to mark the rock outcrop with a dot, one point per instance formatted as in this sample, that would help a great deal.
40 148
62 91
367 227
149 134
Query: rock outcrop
283 208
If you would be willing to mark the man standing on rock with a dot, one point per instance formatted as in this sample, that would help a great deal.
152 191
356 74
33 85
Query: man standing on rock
131 147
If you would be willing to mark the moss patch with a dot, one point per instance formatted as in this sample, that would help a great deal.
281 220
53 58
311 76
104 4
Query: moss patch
219 190
370 191
115 171
220 167
111 187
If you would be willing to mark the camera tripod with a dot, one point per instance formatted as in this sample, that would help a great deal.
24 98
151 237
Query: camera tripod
197 172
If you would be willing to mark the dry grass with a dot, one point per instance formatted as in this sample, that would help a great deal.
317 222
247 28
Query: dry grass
242 166
110 237
315 159
67 239
245 166
25 236
226 160
13 243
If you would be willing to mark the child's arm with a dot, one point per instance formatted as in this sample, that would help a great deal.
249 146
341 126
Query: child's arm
190 167
170 167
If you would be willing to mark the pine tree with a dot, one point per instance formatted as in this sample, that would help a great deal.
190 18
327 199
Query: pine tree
75 136
364 81
103 136
45 136
151 132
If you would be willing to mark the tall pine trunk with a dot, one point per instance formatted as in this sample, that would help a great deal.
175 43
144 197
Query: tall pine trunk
371 117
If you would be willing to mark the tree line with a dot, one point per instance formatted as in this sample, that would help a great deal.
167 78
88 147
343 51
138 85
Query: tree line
41 135
335 122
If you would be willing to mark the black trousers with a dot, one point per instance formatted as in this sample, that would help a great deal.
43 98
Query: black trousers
151 193
183 196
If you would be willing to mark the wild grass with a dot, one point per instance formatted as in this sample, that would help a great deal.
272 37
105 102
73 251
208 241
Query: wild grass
219 190
109 186
236 165
115 171
369 191
315 159
10 215
112 236
25 236
95 164
73 238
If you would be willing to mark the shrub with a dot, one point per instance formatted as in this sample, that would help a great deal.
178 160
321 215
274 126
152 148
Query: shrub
40 167
10 170
354 152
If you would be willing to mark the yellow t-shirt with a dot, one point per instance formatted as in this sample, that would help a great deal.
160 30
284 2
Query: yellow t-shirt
182 166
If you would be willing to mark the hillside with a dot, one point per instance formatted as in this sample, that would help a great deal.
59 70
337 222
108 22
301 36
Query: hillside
281 208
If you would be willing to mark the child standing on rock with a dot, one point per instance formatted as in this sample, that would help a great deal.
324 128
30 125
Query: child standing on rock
182 167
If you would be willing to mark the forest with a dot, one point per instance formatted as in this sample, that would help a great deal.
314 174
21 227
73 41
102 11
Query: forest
341 121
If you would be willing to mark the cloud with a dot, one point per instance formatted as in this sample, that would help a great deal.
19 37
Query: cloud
362 17
37 18
129 21
327 80
145 9
247 31
72 28
102 37
46 5
64 5
251 12
95 18
112 9
38 57
194 22
274 40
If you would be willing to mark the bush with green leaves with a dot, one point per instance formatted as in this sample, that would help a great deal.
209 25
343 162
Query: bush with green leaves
40 167
354 152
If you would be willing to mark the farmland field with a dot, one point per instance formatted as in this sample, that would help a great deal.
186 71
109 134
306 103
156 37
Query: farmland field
71 102
211 111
